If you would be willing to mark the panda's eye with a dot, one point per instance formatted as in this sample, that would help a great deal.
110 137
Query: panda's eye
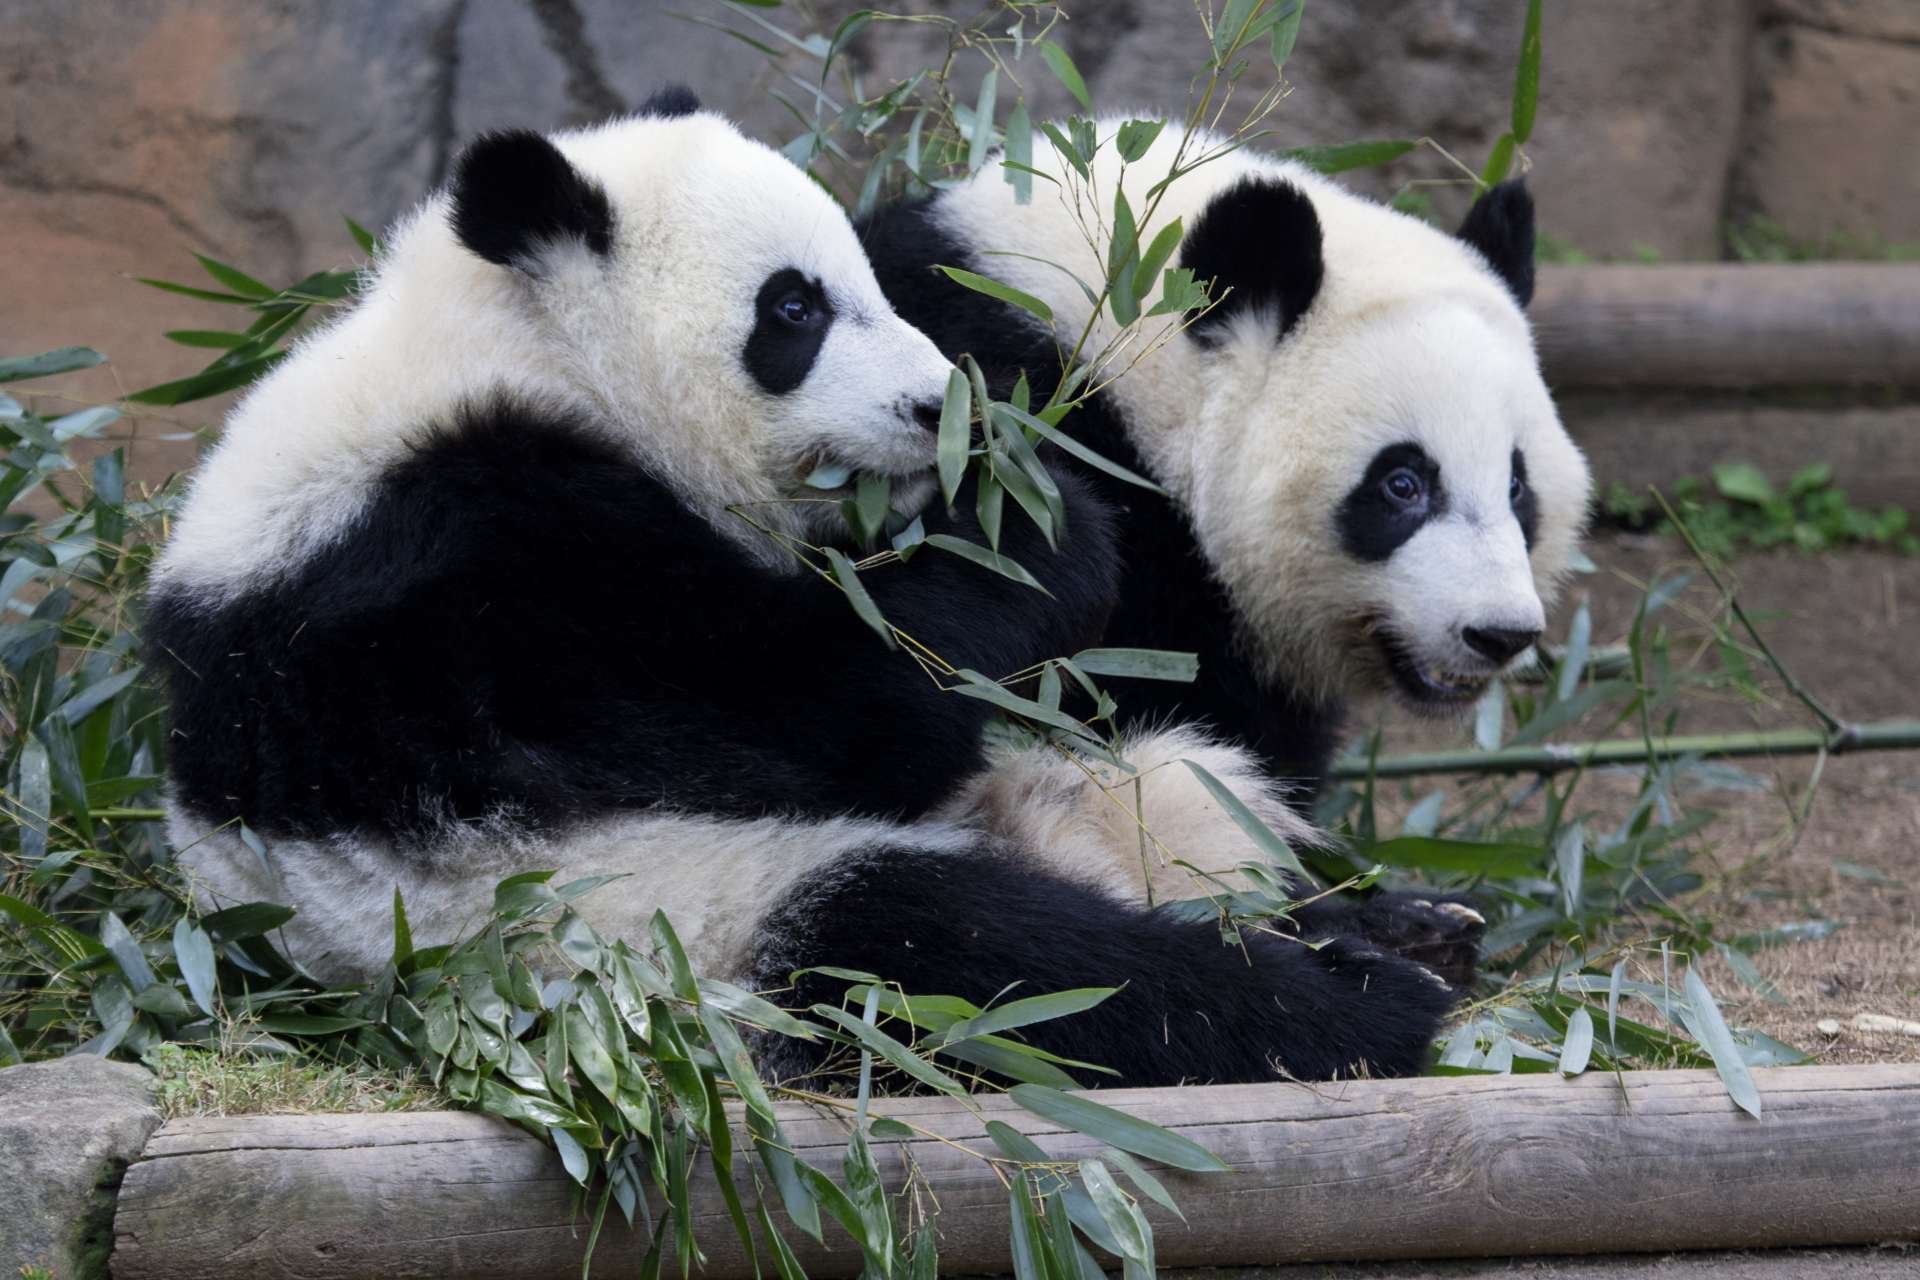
1403 486
794 309
1516 490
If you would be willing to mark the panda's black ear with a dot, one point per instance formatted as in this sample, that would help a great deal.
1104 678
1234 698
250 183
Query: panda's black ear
516 197
1500 226
1260 239
671 103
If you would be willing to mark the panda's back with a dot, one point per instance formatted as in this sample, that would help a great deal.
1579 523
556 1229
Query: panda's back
520 623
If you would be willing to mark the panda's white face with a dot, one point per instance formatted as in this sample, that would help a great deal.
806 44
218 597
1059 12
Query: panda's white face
662 279
733 301
1425 502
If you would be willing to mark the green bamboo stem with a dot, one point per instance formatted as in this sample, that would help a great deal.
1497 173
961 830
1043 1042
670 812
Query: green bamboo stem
1886 735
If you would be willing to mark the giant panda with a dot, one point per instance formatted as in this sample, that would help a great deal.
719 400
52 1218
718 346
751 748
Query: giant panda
1369 491
491 575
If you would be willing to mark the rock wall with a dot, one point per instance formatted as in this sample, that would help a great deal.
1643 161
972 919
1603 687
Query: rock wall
133 131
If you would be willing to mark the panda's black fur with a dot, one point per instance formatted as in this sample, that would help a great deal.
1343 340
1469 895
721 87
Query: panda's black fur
524 629
524 620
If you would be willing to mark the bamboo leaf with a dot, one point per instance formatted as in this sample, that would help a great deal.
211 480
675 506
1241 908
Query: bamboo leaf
1579 647
1017 161
1499 161
211 382
1277 850
863 605
1116 1128
1570 858
193 951
1147 274
126 952
892 1050
982 139
1526 77
1286 31
1087 455
1342 156
1069 75
1720 1045
48 363
213 338
1148 1184
1135 137
1577 1047
1140 664
189 291
1021 1013
986 559
1503 860
1004 292
234 278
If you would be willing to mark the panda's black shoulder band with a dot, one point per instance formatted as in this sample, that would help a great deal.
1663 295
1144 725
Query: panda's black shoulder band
515 196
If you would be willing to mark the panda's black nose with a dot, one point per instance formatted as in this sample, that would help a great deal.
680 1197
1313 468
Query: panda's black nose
1497 644
927 414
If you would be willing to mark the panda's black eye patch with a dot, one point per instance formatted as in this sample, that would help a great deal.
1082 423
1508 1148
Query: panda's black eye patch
791 316
1399 493
1520 496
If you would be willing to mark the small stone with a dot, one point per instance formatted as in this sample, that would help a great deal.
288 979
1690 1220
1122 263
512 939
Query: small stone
1828 1026
1881 1022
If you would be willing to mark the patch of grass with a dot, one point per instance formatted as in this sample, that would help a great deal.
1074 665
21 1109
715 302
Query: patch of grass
1740 509
234 1080
1761 239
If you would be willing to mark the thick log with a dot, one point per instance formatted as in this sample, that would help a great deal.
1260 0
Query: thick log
1732 326
1380 1169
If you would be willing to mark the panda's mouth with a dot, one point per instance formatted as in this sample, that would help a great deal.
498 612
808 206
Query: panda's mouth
1428 686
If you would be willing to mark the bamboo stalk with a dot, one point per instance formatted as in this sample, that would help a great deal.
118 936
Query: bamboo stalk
1550 758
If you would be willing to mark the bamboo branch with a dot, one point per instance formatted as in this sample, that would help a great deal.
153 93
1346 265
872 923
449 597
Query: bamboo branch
1551 758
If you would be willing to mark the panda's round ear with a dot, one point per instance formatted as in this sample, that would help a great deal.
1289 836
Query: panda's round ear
1260 239
516 199
1500 226
670 103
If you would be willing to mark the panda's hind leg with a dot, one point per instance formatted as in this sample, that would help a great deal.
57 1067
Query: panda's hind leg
993 923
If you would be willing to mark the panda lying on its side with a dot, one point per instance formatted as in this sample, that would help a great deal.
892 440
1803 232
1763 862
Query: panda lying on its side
459 595
1371 490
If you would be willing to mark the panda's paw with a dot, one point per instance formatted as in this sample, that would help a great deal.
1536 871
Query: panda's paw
1443 935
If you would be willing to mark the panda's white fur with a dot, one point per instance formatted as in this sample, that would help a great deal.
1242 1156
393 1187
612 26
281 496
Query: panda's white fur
298 455
714 877
1410 337
1152 835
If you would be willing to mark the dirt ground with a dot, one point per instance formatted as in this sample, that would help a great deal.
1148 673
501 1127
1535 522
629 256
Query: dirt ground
1845 626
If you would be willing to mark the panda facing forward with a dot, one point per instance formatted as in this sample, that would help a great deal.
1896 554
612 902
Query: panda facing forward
461 594
1371 493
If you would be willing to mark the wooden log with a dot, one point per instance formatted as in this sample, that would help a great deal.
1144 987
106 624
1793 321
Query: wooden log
1375 1170
1731 326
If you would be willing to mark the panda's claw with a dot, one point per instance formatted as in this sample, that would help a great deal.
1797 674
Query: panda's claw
1459 910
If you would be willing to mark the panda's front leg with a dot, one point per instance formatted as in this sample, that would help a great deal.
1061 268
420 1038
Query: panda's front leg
990 923
1440 932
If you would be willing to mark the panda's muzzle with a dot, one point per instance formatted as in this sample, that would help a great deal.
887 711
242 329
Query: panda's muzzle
1426 685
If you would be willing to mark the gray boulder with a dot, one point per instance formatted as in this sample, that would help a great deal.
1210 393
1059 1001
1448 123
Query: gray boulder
67 1130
